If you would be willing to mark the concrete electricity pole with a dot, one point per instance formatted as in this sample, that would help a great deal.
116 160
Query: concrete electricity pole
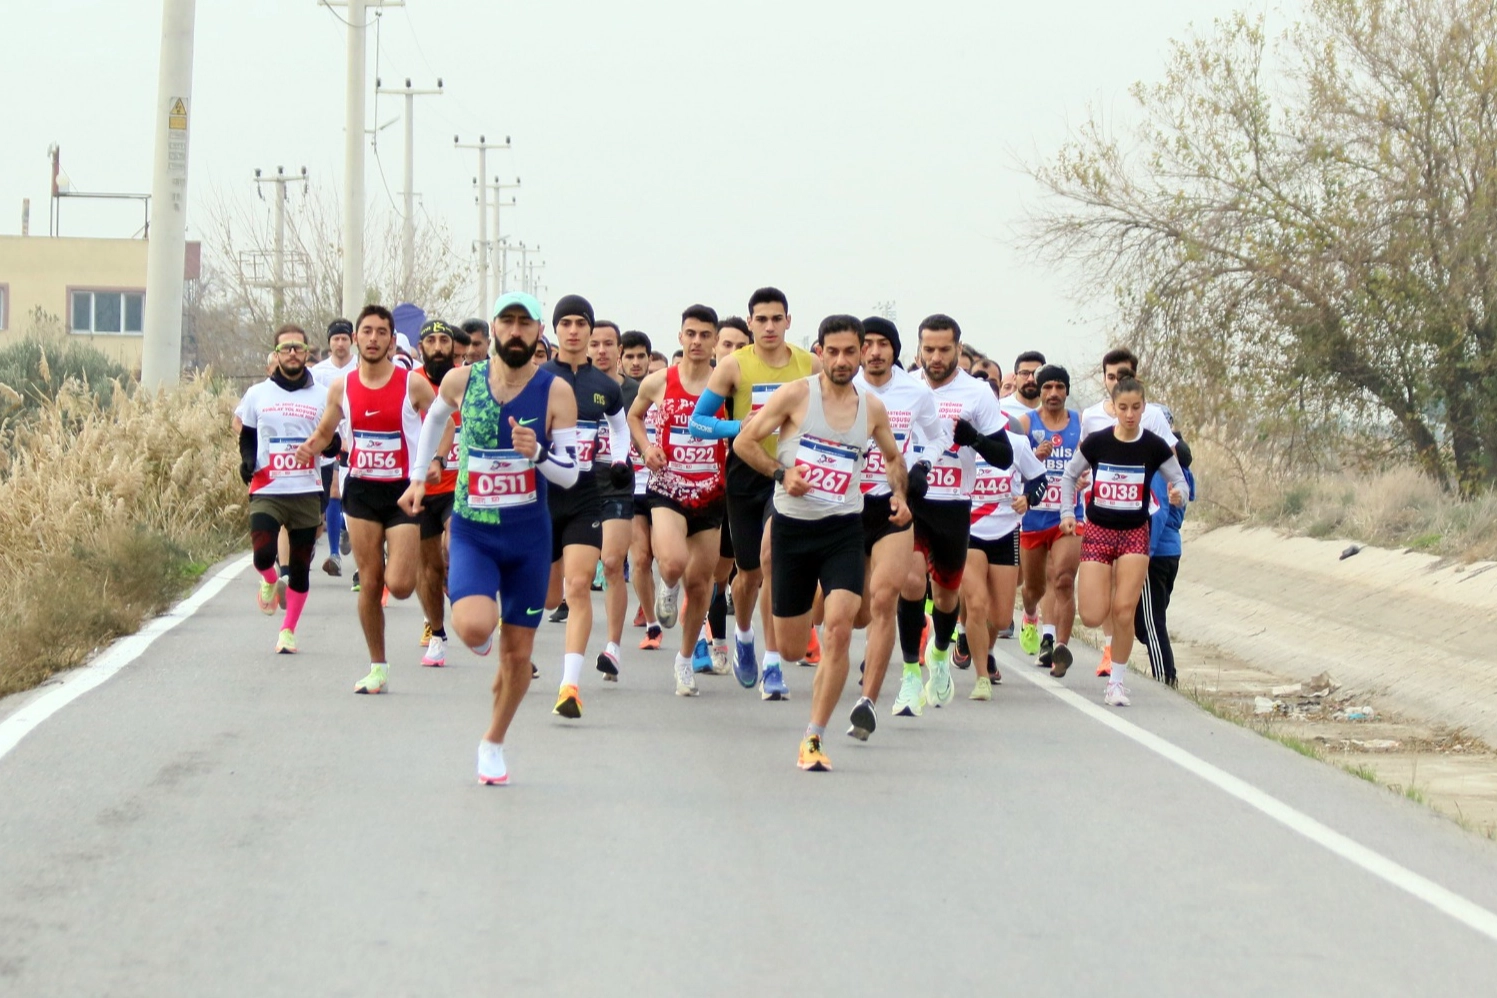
500 257
353 151
166 252
278 283
483 146
408 229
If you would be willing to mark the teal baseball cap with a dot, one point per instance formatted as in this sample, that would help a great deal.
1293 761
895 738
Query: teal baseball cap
527 302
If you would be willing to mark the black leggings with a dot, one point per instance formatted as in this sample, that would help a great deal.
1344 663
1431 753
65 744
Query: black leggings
265 531
1149 625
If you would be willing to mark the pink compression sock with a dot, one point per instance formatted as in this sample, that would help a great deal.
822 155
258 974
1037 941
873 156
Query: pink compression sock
270 575
294 602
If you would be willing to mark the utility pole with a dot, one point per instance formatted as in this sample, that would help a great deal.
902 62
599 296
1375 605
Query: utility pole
525 252
353 151
483 146
166 252
278 282
408 230
500 257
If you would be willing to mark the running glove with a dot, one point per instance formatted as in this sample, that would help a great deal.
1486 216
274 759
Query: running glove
620 475
918 480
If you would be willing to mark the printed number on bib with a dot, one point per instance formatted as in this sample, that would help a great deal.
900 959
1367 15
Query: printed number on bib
993 484
453 455
282 461
827 467
944 480
875 468
691 456
378 456
587 442
500 479
1119 487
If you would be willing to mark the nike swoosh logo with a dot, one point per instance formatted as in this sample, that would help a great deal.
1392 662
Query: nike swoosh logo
527 422
370 412
533 613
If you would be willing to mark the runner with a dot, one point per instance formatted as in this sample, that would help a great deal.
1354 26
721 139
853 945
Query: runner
1150 624
823 424
384 405
748 377
634 354
999 501
518 440
1026 394
276 416
577 512
889 546
438 342
478 340
618 503
1117 364
732 334
943 516
1047 557
339 362
685 489
1122 460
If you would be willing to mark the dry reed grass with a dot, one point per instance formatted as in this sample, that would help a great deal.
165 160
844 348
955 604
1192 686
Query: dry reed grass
111 505
1396 508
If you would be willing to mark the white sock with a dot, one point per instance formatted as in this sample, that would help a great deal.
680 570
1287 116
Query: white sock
571 669
747 637
961 628
771 658
612 648
1048 631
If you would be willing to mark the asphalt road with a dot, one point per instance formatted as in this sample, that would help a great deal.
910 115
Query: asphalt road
217 820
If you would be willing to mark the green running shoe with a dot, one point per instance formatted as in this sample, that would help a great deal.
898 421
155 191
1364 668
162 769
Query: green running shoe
1029 637
940 690
265 598
376 682
911 699
286 643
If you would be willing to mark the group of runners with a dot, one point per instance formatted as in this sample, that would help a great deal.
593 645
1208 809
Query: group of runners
495 470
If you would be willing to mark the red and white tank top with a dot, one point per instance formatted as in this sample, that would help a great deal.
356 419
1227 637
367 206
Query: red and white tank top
449 476
384 426
693 472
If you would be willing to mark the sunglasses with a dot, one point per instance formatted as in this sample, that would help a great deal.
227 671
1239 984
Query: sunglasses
291 348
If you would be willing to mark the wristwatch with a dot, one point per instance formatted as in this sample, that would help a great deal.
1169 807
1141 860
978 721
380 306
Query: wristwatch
779 476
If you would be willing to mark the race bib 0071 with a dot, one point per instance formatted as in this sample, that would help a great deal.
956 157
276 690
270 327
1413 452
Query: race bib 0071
282 461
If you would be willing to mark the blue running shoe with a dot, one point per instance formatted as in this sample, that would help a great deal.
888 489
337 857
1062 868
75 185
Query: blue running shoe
701 657
745 663
773 687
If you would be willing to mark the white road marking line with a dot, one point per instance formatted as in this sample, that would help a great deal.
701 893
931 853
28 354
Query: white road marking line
1378 865
120 654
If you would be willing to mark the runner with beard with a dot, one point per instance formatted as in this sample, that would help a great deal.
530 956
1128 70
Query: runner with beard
943 516
518 441
1026 394
276 416
889 545
618 502
748 377
383 405
686 482
822 424
577 512
438 342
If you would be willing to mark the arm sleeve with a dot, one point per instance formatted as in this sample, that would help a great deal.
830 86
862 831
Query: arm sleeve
704 422
618 437
1175 475
933 434
432 428
1079 466
249 446
559 465
995 448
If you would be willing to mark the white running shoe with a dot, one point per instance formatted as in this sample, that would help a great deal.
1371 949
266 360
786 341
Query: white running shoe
911 699
668 605
491 769
436 652
720 666
1116 696
483 650
686 680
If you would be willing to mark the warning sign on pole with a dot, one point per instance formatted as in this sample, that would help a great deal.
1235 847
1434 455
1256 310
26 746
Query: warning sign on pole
177 117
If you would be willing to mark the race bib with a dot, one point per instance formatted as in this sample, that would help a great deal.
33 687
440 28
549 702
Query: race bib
1051 502
993 484
378 456
875 468
1120 487
642 473
945 479
759 395
282 464
691 456
828 467
587 443
452 455
500 479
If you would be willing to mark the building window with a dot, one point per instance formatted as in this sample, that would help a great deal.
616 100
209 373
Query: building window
111 312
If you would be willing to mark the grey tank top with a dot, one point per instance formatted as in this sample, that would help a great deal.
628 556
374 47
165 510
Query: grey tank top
831 461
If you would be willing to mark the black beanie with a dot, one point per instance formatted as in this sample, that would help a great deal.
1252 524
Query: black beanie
877 325
1053 372
339 327
572 305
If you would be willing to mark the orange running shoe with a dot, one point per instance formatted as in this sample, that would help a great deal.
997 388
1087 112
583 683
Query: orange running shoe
1104 668
568 703
813 650
812 758
651 640
384 599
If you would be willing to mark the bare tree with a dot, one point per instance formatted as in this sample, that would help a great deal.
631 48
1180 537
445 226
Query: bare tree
1301 231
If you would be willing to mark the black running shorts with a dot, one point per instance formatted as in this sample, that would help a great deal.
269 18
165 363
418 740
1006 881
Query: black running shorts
876 522
748 511
807 553
435 512
941 528
377 501
708 517
1002 553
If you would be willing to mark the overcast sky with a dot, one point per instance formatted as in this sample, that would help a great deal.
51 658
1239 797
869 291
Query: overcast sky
848 152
